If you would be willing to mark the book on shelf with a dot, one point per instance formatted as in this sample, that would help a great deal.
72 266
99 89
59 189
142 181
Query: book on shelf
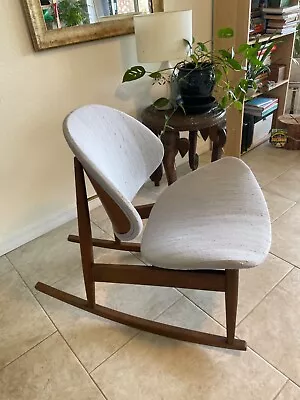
262 114
281 20
261 106
260 110
275 24
282 17
279 31
261 102
281 10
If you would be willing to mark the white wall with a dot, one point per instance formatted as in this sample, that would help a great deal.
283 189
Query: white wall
37 90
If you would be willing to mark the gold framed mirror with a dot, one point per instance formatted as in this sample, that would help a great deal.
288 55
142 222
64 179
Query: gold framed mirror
55 23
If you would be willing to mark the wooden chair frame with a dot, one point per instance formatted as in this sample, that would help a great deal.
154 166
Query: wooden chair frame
213 280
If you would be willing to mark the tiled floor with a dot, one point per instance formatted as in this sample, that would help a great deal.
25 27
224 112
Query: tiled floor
49 350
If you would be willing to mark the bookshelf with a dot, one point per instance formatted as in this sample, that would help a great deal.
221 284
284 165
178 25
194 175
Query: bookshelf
236 14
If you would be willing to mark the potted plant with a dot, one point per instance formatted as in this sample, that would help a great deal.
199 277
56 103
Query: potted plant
196 76
255 56
203 69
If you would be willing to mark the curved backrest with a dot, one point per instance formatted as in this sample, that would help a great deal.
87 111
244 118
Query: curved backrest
118 153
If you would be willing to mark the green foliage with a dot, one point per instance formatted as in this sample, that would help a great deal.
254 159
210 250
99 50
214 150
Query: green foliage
155 75
248 58
255 55
73 12
136 72
161 102
225 33
297 43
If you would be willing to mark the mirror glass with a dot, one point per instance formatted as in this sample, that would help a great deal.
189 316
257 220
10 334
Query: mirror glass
66 13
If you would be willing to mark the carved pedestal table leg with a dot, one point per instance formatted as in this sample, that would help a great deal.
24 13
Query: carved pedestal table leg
217 135
158 173
193 156
169 140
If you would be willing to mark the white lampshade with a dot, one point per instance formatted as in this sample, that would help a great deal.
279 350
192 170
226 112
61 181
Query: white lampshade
159 36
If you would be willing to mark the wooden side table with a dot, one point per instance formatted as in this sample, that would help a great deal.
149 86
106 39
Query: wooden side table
210 125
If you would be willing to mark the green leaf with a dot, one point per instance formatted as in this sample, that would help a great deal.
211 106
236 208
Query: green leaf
267 52
194 58
225 33
297 47
231 95
234 64
169 127
188 43
243 47
256 62
161 102
202 47
252 51
243 85
183 109
238 105
225 54
134 73
218 74
224 102
155 75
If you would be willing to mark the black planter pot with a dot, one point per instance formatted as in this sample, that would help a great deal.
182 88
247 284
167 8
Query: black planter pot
195 86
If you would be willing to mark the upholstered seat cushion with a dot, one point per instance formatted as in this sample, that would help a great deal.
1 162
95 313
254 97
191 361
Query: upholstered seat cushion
215 217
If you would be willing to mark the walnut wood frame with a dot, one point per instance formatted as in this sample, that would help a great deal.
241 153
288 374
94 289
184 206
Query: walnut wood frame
214 280
45 39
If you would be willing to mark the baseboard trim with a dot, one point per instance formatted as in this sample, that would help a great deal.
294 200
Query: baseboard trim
41 227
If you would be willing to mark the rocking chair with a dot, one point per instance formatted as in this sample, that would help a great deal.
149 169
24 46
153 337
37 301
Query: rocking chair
201 231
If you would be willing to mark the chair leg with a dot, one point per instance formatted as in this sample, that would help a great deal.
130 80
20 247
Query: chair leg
85 234
231 301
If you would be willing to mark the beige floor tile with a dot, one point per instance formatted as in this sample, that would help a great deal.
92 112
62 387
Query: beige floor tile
98 215
50 257
255 283
50 371
92 338
286 236
276 320
105 225
267 162
152 367
5 265
289 392
23 323
277 205
288 184
144 196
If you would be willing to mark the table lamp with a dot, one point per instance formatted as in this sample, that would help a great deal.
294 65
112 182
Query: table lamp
159 38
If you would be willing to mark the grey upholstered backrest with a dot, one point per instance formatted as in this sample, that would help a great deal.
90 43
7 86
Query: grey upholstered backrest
117 151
